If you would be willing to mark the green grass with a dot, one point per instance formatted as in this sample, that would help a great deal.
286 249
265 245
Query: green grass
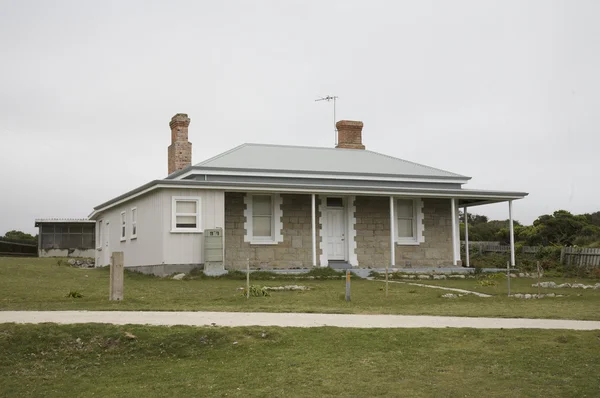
99 360
40 284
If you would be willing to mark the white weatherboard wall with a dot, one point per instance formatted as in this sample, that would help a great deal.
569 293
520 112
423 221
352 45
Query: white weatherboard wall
187 248
155 243
146 249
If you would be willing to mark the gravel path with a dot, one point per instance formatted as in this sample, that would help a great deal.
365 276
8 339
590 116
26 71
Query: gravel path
287 320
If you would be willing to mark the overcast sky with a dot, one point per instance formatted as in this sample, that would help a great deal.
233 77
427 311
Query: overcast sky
507 92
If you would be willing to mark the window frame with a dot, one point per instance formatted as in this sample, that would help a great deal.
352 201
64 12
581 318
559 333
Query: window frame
133 223
403 240
174 214
270 238
123 226
276 225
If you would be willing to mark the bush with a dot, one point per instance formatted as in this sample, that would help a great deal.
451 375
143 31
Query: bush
74 294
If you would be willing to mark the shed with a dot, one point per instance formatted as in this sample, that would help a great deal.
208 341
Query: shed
66 237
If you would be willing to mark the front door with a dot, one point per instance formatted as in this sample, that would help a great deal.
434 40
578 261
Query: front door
336 245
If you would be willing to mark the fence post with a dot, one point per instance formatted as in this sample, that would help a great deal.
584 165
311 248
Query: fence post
116 276
562 255
347 285
508 276
247 278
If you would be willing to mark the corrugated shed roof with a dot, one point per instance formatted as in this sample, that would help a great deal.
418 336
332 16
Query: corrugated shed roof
63 220
323 160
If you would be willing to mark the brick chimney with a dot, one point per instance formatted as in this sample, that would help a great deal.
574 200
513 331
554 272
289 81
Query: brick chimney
180 150
349 134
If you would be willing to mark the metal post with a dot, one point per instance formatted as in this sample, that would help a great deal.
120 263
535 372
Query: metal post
392 234
512 234
467 254
454 237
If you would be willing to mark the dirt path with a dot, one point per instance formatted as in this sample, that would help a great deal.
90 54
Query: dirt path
288 320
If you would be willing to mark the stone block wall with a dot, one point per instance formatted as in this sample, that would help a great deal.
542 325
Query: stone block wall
436 251
294 252
372 230
373 235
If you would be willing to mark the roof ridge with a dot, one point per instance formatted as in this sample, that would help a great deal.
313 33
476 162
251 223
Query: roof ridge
295 146
222 154
414 163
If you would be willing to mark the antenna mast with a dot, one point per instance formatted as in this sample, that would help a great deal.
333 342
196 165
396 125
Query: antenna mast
331 98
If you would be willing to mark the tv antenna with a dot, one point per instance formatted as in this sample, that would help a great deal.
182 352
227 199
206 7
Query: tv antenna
328 99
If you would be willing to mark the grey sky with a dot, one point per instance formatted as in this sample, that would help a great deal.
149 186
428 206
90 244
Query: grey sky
507 92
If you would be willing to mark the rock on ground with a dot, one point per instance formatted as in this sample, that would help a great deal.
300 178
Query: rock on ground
178 277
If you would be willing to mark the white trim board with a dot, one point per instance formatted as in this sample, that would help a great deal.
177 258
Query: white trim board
408 192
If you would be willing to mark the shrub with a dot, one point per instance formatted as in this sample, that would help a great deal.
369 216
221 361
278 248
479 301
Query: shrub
74 294
256 291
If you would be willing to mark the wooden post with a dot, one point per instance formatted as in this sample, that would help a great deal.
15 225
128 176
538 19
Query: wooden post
313 216
386 280
116 276
562 255
347 285
247 278
455 256
538 270
508 276
467 254
511 233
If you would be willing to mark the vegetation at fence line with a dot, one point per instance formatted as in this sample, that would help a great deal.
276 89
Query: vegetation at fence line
39 284
19 236
560 228
153 361
314 273
18 243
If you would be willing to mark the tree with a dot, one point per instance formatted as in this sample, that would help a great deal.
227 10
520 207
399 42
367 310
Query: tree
563 228
19 235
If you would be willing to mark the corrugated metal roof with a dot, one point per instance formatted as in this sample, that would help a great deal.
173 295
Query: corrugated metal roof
63 220
323 160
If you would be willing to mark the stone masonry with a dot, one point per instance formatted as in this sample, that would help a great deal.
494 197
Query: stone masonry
180 150
294 252
372 231
436 251
373 235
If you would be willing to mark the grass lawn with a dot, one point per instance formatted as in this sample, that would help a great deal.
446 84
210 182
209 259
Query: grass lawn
40 284
84 360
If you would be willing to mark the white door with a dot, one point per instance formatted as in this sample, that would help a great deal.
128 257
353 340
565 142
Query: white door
106 244
336 244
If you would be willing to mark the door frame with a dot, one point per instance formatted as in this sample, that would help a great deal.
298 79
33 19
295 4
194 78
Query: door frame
344 210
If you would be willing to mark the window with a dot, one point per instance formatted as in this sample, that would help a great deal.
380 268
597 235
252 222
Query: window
407 221
123 226
186 215
263 219
335 202
134 223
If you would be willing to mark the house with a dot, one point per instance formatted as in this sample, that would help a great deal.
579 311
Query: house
66 237
290 207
